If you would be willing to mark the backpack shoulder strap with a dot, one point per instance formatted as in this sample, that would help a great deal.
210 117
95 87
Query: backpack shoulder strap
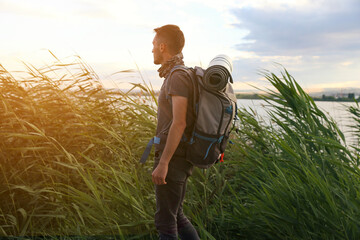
181 68
190 72
193 74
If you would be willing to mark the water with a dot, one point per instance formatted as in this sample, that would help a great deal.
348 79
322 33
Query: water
336 110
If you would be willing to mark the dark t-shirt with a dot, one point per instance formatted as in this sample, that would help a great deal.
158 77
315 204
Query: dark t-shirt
178 84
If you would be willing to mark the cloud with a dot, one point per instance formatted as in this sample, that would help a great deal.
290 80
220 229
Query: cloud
250 86
347 63
316 41
342 84
67 9
300 31
23 9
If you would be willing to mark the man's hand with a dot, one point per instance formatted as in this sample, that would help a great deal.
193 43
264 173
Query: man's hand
159 174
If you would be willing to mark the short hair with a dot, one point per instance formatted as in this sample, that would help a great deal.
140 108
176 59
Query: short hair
172 36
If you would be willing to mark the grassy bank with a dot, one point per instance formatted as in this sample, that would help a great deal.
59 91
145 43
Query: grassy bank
295 178
69 152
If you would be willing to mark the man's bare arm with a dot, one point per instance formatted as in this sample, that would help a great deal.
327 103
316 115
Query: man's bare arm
179 107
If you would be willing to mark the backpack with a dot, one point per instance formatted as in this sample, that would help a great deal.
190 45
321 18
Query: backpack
215 112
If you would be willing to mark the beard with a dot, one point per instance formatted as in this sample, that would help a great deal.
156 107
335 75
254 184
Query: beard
157 60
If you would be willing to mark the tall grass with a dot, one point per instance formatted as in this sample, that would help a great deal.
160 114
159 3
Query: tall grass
296 178
69 151
355 112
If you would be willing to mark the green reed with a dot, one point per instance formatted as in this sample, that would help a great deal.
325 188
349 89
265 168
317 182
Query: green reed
296 177
69 151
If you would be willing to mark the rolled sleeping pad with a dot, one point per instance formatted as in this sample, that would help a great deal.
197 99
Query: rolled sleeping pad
217 75
222 60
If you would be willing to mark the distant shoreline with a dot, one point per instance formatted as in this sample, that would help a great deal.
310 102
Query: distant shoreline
324 99
261 96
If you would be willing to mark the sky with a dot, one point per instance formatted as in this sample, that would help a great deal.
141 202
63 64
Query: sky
317 41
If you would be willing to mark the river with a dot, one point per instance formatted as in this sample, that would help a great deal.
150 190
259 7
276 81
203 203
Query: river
336 110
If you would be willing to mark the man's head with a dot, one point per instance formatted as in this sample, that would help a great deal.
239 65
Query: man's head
168 41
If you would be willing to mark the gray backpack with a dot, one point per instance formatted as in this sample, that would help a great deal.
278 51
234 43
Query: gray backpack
215 113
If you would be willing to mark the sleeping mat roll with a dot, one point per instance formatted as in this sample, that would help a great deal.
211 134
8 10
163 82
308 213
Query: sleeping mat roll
218 74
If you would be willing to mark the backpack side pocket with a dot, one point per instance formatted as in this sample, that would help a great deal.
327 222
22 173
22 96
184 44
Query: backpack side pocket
204 150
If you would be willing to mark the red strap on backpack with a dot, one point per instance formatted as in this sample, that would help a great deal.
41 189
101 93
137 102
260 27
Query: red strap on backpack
222 157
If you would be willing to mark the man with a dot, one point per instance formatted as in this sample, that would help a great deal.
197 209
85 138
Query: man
175 120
